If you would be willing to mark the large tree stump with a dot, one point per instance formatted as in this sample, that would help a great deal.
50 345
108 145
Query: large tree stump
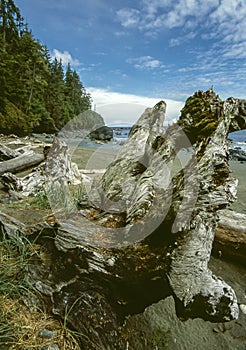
147 232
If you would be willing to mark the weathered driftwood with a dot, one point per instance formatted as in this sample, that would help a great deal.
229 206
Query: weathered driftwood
7 153
59 165
38 179
11 226
230 236
25 186
22 162
146 233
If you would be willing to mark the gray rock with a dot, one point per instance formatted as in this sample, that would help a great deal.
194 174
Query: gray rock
103 133
237 154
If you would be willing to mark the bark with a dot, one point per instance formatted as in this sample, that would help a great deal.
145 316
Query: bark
146 230
59 165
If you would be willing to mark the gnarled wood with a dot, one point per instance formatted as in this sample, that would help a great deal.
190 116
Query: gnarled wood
25 186
148 231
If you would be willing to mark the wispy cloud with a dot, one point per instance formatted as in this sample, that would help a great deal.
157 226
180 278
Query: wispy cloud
129 17
159 14
120 108
120 34
235 50
145 62
227 80
65 57
229 24
87 68
182 39
223 20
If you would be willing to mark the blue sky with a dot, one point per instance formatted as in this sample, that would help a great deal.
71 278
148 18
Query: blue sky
133 53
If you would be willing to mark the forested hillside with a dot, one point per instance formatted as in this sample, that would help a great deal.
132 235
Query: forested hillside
36 94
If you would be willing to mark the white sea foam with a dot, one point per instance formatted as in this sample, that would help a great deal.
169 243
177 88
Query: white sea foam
241 145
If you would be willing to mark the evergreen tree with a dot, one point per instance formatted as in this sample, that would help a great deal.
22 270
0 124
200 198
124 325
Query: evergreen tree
77 98
55 98
11 22
34 94
33 73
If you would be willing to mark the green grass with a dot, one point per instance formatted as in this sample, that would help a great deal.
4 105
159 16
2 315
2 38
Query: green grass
20 325
160 338
64 198
40 200
14 256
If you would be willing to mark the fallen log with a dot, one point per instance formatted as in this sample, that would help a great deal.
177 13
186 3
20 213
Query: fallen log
230 237
22 162
30 184
146 234
25 186
7 153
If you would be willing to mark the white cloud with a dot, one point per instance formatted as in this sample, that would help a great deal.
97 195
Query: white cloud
119 108
145 62
120 34
129 17
175 41
182 39
236 50
65 57
153 6
229 23
221 20
159 14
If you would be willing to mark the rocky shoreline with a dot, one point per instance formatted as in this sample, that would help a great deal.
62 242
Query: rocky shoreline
237 153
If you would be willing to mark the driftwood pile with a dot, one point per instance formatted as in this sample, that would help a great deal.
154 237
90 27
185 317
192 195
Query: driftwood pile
143 231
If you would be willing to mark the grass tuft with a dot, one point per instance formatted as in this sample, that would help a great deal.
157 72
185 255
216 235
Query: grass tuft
20 325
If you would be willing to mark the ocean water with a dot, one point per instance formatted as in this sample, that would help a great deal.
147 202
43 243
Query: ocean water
238 138
121 134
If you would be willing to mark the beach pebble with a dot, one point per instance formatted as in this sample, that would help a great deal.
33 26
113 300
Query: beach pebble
45 333
216 330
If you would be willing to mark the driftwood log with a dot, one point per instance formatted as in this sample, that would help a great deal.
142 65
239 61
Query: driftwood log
7 153
230 237
21 162
144 231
